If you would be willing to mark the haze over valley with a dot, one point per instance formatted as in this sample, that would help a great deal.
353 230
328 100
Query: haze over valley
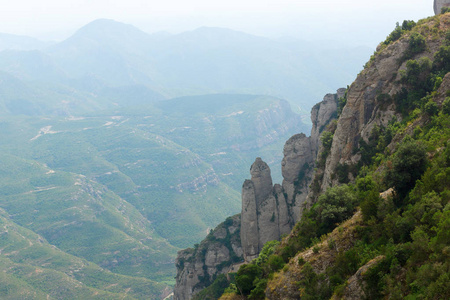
120 147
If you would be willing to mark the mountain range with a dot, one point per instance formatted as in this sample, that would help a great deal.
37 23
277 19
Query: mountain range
118 148
106 53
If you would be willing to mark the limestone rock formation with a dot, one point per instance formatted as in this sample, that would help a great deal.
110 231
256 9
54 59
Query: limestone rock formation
300 154
268 211
439 4
365 109
322 114
217 254
264 216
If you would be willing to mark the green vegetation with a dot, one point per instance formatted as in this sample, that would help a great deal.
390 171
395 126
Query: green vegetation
404 232
445 10
399 30
125 191
408 165
410 228
215 290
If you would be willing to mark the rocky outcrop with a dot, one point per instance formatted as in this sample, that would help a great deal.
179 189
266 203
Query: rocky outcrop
322 114
439 4
265 215
300 154
370 101
268 212
355 284
219 253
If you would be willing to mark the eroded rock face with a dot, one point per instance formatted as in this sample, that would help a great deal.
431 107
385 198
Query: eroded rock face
439 4
322 114
265 215
365 109
300 155
355 284
261 179
217 254
249 221
296 167
268 211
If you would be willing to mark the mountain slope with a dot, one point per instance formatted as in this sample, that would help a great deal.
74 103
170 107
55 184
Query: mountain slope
387 153
18 42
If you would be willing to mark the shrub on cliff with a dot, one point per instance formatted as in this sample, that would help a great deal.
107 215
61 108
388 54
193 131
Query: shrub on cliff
408 165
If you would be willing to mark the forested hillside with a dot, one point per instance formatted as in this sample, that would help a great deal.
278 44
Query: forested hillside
376 223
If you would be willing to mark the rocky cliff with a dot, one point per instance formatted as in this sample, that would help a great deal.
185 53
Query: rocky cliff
371 97
268 211
219 253
439 4
375 101
406 79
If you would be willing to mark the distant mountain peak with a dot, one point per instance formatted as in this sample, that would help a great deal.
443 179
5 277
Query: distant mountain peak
109 27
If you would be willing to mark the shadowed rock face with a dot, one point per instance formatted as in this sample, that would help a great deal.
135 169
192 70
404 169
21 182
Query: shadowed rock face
269 211
265 214
261 179
439 4
217 254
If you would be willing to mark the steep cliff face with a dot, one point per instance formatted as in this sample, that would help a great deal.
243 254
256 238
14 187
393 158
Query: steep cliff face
265 213
439 4
301 154
268 211
398 82
374 102
219 253
370 98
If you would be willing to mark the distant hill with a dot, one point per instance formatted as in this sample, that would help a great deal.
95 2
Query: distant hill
18 42
202 61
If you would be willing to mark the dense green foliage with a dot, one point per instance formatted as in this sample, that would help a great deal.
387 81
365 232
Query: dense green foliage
215 290
399 30
408 165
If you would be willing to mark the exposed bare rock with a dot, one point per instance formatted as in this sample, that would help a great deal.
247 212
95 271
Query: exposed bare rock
217 254
269 211
355 286
249 221
439 4
322 114
265 213
364 109
261 179
296 167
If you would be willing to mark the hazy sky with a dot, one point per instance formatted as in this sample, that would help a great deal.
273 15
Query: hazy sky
358 21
